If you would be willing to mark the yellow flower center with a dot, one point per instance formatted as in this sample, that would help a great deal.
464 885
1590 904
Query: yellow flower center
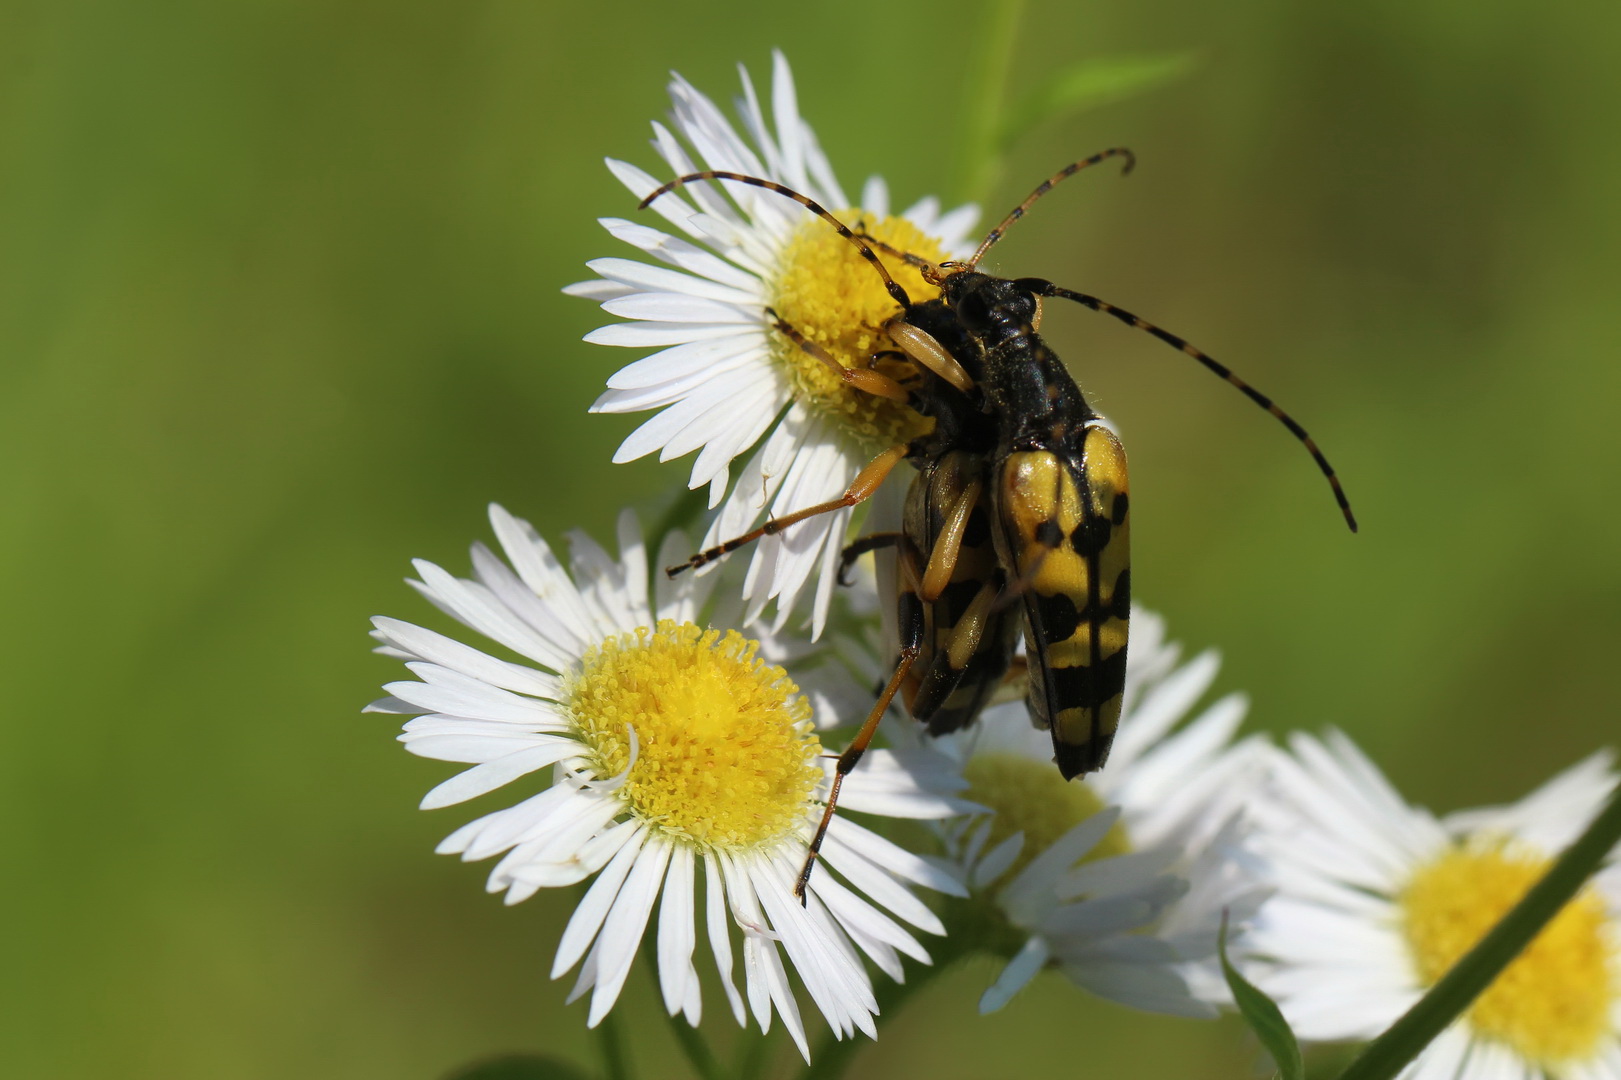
831 295
1553 1002
725 753
1032 797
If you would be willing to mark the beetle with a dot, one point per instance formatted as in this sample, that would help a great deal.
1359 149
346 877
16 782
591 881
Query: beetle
1017 453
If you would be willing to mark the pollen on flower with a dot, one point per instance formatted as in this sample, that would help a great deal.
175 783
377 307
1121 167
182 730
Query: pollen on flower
1031 797
831 295
725 752
1553 1003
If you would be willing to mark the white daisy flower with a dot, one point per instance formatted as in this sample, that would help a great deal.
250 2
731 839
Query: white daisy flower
1376 899
725 378
1119 879
657 752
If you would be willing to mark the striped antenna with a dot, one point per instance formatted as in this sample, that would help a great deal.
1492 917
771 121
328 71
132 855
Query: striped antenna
1047 185
893 288
1047 288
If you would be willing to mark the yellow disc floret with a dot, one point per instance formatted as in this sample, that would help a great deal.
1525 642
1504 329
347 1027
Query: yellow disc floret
1032 797
725 753
832 296
1553 1003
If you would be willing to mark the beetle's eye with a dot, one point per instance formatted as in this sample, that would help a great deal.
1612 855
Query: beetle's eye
972 310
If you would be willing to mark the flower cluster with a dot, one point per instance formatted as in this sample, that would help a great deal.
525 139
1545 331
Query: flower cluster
664 730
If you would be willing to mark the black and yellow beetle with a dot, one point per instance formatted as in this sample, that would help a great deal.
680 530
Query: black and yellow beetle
1019 467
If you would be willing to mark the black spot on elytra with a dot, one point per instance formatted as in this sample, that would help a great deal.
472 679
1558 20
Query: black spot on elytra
1122 506
1083 687
1121 607
1091 536
1118 606
1049 535
1058 615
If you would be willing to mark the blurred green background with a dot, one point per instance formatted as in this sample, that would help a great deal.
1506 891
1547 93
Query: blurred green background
279 310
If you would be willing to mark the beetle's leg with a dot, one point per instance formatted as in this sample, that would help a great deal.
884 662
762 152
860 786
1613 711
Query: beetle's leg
943 559
860 489
921 347
872 382
895 291
951 662
911 627
860 546
1046 288
917 262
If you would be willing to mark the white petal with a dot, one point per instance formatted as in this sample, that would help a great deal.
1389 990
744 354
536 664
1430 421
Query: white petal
471 748
444 690
681 362
1024 966
598 901
539 569
597 290
785 111
720 942
681 308
872 880
476 606
1033 887
481 779
894 858
681 253
657 279
622 930
995 864
447 652
642 335
676 935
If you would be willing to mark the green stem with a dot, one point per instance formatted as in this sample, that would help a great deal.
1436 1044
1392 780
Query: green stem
1389 1053
615 1055
985 92
692 1043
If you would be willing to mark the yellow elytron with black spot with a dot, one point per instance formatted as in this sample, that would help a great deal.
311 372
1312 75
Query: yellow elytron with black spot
1016 453
1059 506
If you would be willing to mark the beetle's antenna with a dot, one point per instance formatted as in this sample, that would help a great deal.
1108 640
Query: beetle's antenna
1047 185
1047 288
893 288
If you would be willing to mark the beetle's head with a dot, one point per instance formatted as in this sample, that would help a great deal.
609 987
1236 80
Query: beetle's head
989 305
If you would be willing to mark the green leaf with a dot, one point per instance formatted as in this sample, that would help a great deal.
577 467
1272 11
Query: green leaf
1088 84
1262 1015
519 1067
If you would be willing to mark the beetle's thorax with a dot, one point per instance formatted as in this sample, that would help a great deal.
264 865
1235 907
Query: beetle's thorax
1024 381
